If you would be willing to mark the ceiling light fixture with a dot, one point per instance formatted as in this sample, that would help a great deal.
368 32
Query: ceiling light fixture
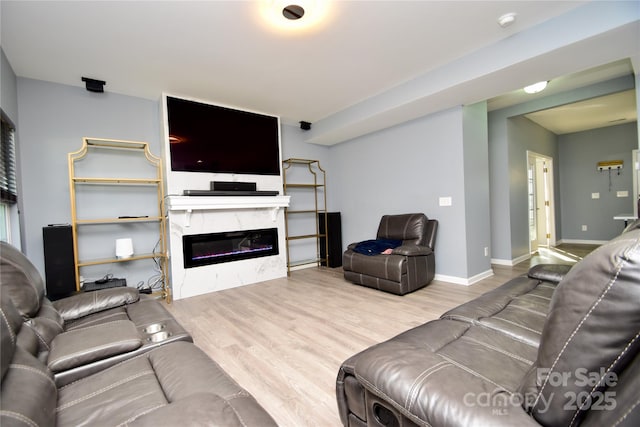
507 19
293 12
295 15
536 87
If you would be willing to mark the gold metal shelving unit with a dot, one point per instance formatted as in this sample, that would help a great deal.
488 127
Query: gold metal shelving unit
94 146
318 187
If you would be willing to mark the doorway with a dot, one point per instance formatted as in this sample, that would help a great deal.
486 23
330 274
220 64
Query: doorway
541 207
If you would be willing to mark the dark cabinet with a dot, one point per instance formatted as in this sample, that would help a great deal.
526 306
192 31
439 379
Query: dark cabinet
334 234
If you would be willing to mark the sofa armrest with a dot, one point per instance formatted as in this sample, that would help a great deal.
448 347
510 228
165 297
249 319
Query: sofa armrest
83 346
412 250
553 273
83 304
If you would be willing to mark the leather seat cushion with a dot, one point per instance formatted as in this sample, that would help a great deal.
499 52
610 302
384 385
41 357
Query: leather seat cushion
437 373
390 267
519 308
168 379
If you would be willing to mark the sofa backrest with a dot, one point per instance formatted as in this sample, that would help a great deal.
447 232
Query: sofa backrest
590 338
28 393
415 229
21 279
10 322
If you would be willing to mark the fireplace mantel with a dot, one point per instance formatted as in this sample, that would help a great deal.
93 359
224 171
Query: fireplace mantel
184 203
197 215
192 203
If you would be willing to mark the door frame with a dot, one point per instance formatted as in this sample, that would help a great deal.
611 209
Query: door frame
547 196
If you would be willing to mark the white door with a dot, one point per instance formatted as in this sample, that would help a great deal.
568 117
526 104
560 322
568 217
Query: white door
542 203
533 206
540 196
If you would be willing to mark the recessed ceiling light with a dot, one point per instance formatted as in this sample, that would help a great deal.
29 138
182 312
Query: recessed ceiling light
536 87
507 19
295 15
293 12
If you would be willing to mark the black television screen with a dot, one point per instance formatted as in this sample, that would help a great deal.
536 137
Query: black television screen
211 138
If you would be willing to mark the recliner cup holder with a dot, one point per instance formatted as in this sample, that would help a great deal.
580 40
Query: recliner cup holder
154 328
159 336
384 416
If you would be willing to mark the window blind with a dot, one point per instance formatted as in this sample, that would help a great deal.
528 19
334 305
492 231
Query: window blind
8 191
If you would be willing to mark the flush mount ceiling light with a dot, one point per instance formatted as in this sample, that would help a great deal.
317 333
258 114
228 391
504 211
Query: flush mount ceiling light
293 12
536 87
295 15
507 19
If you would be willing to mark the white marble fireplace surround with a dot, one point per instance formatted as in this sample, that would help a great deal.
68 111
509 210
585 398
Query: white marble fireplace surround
214 214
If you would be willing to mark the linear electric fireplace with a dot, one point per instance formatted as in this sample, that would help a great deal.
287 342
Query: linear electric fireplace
214 248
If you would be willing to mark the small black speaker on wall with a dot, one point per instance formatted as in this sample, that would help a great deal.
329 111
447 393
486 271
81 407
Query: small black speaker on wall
60 273
334 235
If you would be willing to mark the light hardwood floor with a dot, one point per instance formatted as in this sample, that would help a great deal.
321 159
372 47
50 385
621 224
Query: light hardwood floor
284 340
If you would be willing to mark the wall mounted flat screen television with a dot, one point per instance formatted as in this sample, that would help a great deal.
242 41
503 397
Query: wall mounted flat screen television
210 138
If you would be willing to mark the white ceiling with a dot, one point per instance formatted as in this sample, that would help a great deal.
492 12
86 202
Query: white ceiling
227 52
604 111
593 113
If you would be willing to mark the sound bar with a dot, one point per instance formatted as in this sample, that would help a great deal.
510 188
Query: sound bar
232 186
229 193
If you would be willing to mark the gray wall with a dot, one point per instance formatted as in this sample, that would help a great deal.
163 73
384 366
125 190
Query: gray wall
400 169
405 169
505 166
476 189
53 120
579 154
525 135
8 89
293 146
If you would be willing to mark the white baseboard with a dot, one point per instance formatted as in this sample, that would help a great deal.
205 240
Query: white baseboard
582 242
302 267
464 281
510 262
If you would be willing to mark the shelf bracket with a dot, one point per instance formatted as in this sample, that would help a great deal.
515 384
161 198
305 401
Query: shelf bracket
187 217
274 214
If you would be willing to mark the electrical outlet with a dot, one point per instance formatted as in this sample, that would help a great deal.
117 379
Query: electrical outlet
584 228
595 195
486 251
444 201
622 194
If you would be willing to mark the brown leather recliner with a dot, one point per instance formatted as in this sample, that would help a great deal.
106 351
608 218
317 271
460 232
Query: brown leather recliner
409 267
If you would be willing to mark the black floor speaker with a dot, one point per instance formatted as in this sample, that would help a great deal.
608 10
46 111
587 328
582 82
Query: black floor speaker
334 235
60 273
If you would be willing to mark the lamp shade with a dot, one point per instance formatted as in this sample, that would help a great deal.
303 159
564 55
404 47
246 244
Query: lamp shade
124 248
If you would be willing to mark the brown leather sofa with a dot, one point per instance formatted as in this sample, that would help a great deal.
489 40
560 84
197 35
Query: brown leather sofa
109 357
87 332
556 347
409 267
